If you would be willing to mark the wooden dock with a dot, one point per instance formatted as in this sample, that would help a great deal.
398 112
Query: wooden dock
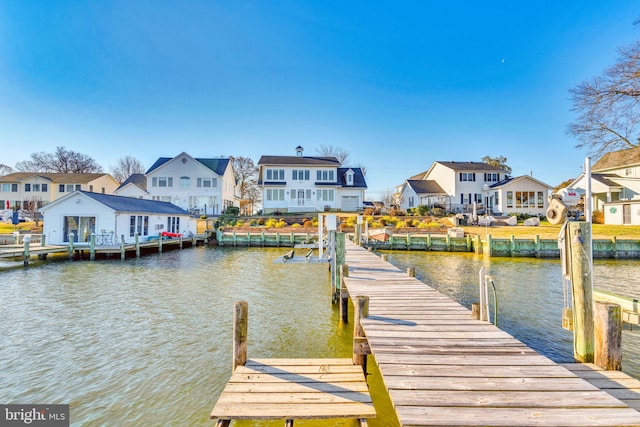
289 389
442 368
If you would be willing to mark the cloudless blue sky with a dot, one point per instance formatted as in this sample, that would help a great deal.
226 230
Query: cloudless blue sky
398 85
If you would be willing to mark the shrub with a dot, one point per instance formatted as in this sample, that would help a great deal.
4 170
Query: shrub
422 210
232 210
295 225
307 223
271 223
598 217
437 211
396 212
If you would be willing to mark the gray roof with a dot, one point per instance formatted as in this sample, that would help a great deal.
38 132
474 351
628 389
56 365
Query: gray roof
618 159
219 165
62 178
131 204
421 186
138 179
298 160
471 166
358 178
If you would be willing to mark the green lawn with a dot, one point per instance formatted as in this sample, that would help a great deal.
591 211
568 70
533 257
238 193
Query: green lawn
548 231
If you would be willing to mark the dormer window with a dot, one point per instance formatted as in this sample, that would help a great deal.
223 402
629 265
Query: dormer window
348 177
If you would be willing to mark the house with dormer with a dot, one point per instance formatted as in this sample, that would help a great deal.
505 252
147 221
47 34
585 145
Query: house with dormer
202 186
452 185
309 184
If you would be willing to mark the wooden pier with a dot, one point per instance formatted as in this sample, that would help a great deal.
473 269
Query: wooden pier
290 389
442 368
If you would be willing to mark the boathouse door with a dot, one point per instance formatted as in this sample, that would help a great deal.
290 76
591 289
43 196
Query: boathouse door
626 214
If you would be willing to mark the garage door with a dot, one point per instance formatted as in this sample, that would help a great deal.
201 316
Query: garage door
350 203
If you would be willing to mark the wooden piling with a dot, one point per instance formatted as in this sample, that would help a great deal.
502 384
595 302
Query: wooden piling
360 311
607 330
411 271
475 311
159 243
25 254
70 245
92 247
137 245
383 257
582 284
240 330
344 294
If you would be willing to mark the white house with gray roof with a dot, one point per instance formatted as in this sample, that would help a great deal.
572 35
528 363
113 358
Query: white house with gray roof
309 184
81 214
199 185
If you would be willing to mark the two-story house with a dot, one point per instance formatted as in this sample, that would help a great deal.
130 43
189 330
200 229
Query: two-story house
309 184
456 185
19 189
615 186
199 185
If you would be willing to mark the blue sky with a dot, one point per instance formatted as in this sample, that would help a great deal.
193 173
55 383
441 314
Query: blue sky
398 85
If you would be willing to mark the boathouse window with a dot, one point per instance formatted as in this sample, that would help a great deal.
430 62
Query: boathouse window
173 224
139 224
509 199
81 226
185 182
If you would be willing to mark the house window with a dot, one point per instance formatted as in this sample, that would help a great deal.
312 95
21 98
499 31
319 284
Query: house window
78 187
185 182
300 175
628 172
325 195
349 179
139 224
325 175
61 188
509 199
495 198
275 194
492 177
275 174
45 188
13 188
27 187
411 202
540 199
91 188
467 176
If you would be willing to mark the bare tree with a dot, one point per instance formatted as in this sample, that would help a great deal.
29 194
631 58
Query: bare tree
125 167
5 170
62 161
498 162
246 175
31 206
332 151
609 105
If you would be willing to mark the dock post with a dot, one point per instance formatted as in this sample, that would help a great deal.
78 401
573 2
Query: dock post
92 247
360 311
512 245
428 241
277 239
70 245
607 331
181 240
159 243
262 238
383 257
475 311
537 245
614 246
411 271
582 287
344 294
339 256
123 254
25 254
408 241
240 329
137 245
248 239
43 242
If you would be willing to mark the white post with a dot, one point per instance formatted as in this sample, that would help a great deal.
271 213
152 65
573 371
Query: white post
320 236
588 206
483 295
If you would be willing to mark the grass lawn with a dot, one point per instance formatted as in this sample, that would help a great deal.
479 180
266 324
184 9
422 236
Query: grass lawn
8 228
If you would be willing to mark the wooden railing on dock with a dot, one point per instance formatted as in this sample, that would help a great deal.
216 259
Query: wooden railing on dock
442 368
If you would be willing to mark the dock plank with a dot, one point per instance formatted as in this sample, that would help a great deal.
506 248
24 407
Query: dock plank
442 368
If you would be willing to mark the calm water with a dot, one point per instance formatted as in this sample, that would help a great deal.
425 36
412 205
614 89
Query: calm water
148 341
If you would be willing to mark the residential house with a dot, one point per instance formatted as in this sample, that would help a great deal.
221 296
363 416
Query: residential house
199 185
615 186
309 184
111 218
19 189
134 186
453 185
518 195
